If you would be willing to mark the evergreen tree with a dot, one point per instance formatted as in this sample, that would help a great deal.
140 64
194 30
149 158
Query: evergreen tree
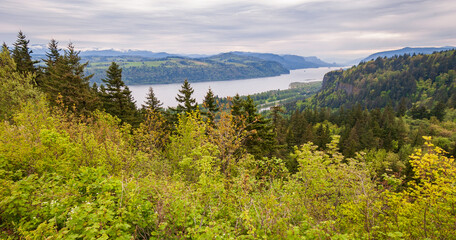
21 55
236 105
402 108
116 96
210 104
5 47
53 55
261 140
152 103
438 111
280 129
323 136
185 101
65 81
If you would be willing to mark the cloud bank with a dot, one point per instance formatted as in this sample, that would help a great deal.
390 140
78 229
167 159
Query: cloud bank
333 30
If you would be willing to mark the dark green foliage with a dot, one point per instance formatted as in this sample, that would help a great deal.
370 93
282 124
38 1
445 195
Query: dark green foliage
323 136
116 96
438 111
53 53
21 55
186 103
236 105
419 112
210 105
260 140
53 56
152 103
421 79
174 69
65 83
278 122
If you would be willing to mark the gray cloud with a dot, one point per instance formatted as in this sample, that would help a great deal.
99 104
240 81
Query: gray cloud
333 30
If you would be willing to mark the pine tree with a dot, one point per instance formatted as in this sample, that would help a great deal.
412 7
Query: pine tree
116 96
53 55
260 141
438 111
152 103
5 47
323 136
210 104
280 130
236 106
66 81
185 101
21 55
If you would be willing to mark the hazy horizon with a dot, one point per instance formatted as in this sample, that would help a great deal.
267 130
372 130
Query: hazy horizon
334 31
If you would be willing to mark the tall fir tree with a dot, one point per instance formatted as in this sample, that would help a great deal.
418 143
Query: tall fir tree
152 103
236 106
21 55
210 104
116 96
66 81
186 103
280 129
53 55
260 140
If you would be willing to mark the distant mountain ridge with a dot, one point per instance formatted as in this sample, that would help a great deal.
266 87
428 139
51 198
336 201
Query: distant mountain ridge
290 62
407 50
225 66
146 67
39 50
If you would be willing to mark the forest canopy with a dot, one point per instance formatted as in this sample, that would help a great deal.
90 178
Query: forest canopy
72 166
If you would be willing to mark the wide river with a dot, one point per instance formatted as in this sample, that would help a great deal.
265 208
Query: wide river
166 93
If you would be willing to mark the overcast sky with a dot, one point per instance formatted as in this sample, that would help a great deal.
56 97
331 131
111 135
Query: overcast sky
337 30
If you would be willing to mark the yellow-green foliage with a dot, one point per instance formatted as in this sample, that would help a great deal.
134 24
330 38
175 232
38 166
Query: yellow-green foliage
15 88
426 209
69 177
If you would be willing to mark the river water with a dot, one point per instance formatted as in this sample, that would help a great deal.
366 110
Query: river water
166 93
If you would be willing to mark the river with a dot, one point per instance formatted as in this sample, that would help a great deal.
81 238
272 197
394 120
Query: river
166 93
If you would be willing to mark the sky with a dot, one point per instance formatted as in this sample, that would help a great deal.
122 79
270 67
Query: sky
335 31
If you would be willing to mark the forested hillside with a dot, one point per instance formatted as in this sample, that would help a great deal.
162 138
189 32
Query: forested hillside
407 51
289 61
138 70
79 161
421 81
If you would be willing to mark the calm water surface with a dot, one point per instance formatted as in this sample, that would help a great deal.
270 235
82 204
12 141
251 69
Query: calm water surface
166 93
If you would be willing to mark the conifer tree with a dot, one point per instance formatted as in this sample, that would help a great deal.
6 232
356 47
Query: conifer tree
323 136
185 101
152 103
116 96
5 47
210 104
53 54
65 77
279 128
21 55
236 106
260 140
